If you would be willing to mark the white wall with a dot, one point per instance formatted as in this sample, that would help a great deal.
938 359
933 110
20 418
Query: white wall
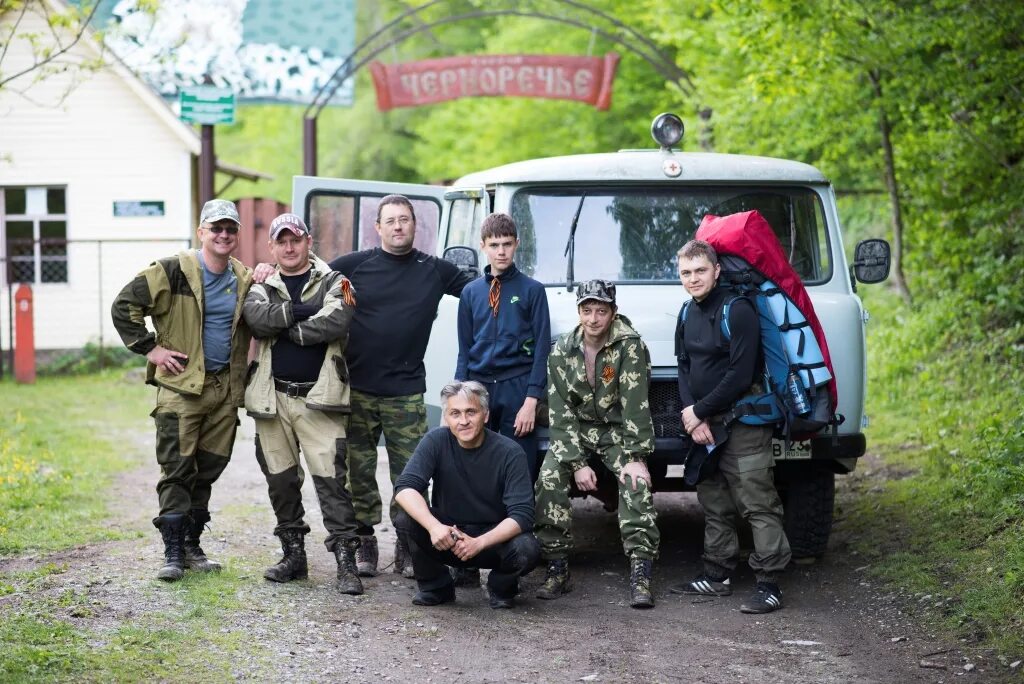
104 142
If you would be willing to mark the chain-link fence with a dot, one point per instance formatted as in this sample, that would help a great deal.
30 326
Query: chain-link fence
73 283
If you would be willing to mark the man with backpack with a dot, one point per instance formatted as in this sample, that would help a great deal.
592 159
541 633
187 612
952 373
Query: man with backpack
715 372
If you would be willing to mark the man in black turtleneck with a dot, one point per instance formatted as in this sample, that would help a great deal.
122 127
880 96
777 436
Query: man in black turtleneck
714 372
399 288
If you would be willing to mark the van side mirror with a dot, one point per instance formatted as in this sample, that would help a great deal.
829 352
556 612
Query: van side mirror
871 260
464 258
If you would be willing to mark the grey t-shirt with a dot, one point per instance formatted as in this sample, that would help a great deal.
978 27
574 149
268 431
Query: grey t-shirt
220 296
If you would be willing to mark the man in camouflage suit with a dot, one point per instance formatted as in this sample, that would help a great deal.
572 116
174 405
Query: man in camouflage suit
599 412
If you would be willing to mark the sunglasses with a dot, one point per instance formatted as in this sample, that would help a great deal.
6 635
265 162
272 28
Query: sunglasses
232 229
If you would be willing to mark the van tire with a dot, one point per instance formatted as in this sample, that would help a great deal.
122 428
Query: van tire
808 498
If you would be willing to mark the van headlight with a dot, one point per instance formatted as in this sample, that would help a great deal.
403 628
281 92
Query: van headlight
667 130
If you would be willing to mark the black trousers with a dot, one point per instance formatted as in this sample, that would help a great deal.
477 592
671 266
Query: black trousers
507 561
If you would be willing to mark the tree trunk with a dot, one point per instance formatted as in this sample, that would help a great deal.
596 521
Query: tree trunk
891 185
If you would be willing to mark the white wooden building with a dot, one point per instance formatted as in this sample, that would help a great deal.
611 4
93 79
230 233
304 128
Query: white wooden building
97 179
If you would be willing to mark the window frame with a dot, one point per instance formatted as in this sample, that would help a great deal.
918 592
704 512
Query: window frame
38 258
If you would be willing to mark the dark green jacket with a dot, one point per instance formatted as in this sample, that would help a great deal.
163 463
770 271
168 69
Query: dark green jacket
618 411
170 293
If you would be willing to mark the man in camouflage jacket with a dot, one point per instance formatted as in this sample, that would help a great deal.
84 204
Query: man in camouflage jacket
599 413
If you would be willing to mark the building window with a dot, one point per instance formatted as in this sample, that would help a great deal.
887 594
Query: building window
34 229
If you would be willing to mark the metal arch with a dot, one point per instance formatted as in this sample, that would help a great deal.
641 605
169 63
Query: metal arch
667 68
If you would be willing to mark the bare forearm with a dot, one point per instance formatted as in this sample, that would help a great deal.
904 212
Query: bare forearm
506 530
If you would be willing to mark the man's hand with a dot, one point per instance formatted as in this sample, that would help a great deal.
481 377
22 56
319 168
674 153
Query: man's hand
690 420
526 419
169 361
702 434
262 272
443 537
586 479
635 470
467 547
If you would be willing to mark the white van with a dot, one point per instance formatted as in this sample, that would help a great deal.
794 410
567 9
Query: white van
636 208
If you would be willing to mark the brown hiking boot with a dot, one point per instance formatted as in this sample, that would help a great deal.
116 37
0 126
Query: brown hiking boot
292 565
403 559
640 595
557 581
366 556
348 574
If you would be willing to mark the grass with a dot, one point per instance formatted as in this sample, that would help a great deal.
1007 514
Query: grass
59 450
43 639
63 441
944 397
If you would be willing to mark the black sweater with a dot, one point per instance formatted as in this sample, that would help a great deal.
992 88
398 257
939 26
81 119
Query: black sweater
492 484
715 372
396 303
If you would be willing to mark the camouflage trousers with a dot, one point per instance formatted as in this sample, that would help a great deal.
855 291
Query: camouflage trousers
638 521
403 422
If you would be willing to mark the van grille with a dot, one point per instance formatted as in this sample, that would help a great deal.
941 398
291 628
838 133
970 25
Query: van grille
665 408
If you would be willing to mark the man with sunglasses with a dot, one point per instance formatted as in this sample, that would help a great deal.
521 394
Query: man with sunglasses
197 361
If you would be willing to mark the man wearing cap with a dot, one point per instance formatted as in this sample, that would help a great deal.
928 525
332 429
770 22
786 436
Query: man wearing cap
599 413
194 301
299 396
399 289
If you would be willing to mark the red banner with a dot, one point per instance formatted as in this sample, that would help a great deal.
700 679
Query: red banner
561 77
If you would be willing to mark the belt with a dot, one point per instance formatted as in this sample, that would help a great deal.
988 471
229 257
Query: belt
293 389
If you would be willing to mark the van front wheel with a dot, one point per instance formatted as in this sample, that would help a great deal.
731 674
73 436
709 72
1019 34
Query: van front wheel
808 496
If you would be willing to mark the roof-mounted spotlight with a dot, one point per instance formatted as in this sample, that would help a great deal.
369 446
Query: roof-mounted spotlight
667 130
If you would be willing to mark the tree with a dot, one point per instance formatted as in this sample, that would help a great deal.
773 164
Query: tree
48 52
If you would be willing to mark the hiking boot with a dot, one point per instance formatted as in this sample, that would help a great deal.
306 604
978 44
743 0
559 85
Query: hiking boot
704 585
348 574
403 559
292 565
466 577
172 529
557 581
767 597
640 595
434 597
195 557
366 556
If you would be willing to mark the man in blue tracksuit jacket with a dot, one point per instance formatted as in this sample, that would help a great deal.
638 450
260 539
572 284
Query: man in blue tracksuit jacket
505 337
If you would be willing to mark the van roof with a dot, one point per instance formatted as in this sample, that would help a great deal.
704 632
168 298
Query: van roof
646 166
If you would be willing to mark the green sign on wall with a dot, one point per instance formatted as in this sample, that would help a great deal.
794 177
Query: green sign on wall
207 105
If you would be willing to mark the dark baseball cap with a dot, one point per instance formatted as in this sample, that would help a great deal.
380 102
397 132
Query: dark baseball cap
291 222
598 290
217 209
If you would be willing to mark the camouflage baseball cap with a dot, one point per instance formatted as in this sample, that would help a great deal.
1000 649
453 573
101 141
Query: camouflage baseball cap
218 209
599 290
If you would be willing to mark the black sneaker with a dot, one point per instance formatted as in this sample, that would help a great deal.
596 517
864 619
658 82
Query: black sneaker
704 585
767 597
434 597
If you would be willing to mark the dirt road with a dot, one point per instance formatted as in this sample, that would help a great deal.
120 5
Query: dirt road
837 626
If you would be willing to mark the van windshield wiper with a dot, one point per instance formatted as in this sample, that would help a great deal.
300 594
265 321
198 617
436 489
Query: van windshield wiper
570 246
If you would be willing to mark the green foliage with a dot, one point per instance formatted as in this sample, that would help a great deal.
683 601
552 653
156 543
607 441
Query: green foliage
50 446
945 399
90 359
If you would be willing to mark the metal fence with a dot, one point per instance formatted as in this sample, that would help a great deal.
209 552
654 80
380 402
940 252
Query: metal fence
74 283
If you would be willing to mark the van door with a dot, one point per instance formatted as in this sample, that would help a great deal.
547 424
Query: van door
341 212
464 211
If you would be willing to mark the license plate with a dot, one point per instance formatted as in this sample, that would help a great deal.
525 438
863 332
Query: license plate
797 452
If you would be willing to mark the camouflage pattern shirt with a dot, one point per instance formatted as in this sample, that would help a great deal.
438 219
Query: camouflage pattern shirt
615 412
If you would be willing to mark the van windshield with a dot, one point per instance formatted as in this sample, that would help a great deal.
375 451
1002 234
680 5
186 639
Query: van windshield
633 234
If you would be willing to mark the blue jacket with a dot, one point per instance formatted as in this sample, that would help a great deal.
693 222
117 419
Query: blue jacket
511 344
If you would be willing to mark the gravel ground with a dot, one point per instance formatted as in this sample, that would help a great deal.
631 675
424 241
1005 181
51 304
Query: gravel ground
837 625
